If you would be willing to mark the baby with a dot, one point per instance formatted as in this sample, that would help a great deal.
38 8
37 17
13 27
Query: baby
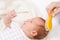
33 28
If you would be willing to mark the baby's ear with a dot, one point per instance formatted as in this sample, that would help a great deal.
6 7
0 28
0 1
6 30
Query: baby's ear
34 33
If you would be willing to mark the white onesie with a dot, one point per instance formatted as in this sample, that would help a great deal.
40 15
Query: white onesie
13 33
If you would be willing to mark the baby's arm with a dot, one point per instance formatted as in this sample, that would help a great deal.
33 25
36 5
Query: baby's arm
9 17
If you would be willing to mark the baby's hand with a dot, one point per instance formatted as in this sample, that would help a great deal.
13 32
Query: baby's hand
9 17
11 14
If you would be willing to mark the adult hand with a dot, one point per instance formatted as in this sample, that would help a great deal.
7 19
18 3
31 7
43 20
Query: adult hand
55 6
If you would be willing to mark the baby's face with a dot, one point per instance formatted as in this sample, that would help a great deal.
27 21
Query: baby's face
36 21
38 25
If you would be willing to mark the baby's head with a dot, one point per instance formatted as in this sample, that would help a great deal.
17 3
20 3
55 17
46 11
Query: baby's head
35 28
